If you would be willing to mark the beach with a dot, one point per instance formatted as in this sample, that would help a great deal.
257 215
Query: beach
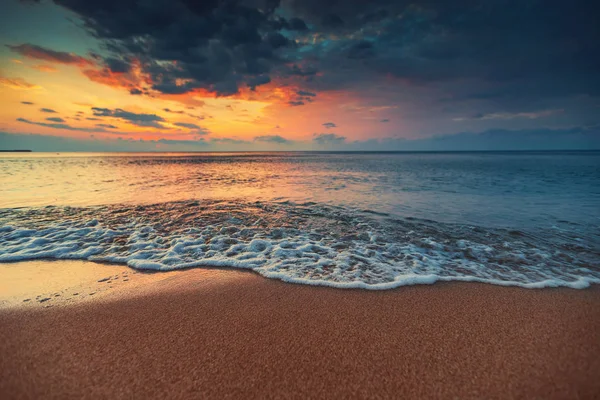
265 199
234 334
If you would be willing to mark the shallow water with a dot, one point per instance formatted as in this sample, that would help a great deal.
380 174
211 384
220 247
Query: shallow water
371 220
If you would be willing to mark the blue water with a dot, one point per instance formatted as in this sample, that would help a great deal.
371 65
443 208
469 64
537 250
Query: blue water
371 220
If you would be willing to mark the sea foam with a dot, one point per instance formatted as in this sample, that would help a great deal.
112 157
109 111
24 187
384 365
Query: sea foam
305 243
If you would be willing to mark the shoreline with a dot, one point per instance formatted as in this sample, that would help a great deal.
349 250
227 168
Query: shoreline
227 333
415 280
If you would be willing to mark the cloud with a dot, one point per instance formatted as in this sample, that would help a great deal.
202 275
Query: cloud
230 141
385 120
36 142
183 46
48 110
58 126
575 138
44 68
55 119
198 117
173 111
106 126
17 83
328 139
297 24
514 55
29 103
302 71
197 142
255 81
509 116
272 139
186 125
508 50
45 54
361 49
305 93
329 125
116 65
144 120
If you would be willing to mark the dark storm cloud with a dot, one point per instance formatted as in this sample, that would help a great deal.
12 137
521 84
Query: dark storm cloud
117 66
47 110
214 45
146 120
58 126
255 81
303 71
55 119
329 125
45 54
332 21
297 24
500 51
272 139
361 49
521 49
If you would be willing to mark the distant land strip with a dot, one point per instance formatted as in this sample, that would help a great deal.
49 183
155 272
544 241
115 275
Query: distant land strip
15 151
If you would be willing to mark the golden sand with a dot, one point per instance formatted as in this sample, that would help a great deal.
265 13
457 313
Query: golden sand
230 334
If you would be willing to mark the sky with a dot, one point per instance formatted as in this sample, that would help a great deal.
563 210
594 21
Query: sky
214 75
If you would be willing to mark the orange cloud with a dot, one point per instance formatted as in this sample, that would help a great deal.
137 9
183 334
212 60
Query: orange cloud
42 53
106 77
45 68
132 80
18 83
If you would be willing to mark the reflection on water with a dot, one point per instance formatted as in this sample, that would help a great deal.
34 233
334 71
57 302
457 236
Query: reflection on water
498 189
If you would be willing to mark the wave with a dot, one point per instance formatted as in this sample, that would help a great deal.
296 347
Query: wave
305 243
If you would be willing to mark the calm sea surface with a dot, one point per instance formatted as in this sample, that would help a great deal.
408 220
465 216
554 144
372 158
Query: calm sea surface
372 220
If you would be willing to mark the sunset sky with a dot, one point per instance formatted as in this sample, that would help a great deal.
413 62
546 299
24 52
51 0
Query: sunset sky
145 75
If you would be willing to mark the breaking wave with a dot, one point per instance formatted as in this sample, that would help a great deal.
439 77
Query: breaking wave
304 243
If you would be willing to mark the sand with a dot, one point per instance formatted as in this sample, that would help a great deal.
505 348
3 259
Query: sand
230 334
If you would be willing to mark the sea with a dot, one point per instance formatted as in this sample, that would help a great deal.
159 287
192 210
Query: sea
346 220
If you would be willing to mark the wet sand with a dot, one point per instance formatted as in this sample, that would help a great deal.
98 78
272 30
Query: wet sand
231 334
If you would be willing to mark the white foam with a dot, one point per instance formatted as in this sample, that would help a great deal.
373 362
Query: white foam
368 259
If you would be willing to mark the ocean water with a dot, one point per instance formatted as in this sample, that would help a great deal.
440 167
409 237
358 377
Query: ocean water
348 220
